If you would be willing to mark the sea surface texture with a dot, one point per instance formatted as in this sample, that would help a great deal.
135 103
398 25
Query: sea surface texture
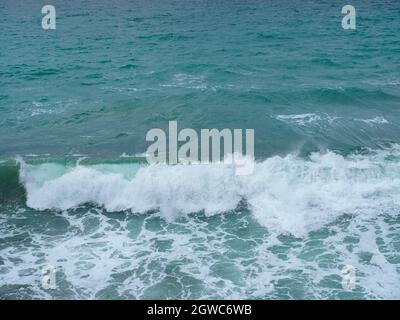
319 218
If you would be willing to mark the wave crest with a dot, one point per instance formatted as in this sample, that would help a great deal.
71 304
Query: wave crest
285 194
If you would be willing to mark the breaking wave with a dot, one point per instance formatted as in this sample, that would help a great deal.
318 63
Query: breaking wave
285 194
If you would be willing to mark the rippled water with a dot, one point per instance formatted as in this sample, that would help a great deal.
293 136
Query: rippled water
75 106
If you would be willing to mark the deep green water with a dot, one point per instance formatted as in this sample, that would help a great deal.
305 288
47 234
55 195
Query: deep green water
324 103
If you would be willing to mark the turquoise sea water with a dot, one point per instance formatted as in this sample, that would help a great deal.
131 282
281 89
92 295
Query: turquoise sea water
76 193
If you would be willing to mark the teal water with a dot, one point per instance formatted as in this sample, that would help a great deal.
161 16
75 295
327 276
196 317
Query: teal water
75 193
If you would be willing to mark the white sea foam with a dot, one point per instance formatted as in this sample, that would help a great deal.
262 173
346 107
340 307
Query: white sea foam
383 83
225 256
286 194
136 155
305 119
182 80
376 120
45 108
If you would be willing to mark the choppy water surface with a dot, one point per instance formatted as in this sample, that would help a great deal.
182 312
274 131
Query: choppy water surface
76 103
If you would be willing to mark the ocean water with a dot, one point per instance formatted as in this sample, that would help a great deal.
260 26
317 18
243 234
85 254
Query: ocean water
76 193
